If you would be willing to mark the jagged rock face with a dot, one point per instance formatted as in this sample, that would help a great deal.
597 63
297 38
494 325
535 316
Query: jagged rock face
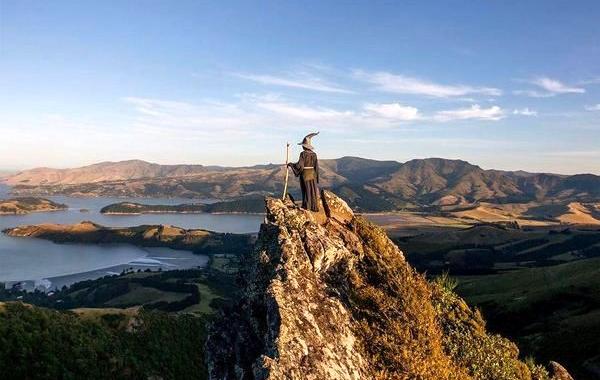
328 296
297 329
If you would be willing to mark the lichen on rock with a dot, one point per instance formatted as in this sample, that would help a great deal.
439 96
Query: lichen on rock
328 296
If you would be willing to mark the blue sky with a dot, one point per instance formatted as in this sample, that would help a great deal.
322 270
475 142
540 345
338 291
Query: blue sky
502 84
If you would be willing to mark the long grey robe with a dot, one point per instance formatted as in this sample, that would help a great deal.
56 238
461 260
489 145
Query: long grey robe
307 168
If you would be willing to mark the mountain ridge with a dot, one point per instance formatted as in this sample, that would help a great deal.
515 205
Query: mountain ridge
392 185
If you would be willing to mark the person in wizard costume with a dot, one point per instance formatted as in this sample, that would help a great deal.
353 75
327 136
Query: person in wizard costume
307 168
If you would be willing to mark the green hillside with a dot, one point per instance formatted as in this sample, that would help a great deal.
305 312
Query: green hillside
553 312
38 343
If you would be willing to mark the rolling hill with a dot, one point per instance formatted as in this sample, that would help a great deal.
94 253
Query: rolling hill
103 171
568 329
368 185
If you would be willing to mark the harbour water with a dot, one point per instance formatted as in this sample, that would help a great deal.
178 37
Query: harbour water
43 264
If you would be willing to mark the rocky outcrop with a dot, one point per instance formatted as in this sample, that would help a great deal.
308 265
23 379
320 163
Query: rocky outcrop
199 241
328 296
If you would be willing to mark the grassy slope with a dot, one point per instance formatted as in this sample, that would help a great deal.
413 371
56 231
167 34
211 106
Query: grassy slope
486 249
553 312
416 329
519 288
140 295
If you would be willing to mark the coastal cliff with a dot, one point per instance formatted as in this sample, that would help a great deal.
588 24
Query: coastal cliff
328 296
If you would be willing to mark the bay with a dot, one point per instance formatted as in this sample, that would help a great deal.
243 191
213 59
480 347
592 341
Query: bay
44 264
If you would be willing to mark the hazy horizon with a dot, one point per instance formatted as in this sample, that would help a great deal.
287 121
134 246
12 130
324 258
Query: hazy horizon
13 170
508 86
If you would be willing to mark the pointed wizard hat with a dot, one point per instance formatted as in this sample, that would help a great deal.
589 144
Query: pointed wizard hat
306 143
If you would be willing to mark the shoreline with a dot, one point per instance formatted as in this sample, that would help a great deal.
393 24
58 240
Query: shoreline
58 281
27 205
183 212
31 212
200 241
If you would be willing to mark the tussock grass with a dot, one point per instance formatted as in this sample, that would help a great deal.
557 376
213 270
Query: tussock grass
414 329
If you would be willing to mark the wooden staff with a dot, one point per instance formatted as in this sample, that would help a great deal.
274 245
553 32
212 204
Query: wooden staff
287 171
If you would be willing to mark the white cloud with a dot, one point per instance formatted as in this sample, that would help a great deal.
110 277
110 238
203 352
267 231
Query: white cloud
193 117
246 116
268 115
272 115
549 88
473 112
555 86
534 93
525 112
302 81
401 84
393 111
303 112
595 107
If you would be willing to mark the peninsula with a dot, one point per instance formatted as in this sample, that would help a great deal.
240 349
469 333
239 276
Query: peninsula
26 205
248 205
195 240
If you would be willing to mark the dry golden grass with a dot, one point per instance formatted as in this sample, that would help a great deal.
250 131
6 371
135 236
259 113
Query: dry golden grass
26 205
414 329
397 321
486 212
578 214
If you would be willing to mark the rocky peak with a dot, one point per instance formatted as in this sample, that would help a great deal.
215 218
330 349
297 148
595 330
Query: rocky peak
328 296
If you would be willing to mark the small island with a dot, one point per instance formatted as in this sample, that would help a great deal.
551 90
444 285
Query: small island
26 205
132 208
196 240
248 205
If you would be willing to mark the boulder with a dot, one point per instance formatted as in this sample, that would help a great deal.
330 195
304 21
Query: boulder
336 208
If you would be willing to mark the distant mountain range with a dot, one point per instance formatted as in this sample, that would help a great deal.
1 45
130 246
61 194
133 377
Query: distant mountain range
367 184
103 171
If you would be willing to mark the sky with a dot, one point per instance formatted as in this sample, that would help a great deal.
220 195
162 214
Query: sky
502 84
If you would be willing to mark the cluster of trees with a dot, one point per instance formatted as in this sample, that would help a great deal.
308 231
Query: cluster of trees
42 339
37 343
97 293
